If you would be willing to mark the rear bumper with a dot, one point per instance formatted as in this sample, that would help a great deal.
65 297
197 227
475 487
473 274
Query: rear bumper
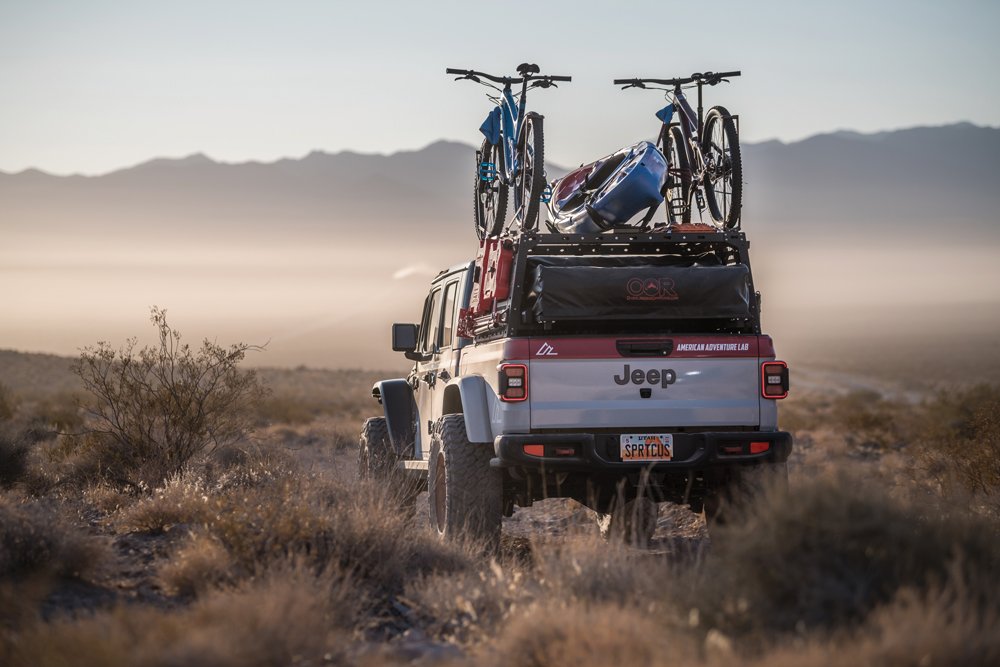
599 452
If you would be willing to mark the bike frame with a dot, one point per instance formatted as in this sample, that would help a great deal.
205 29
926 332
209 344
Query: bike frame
691 127
503 126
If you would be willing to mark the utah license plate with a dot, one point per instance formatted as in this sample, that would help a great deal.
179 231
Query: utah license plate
647 447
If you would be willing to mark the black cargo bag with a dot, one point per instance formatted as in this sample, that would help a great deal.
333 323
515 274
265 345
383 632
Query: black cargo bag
639 292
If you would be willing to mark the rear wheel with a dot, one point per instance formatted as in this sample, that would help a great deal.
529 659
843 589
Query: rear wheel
490 193
724 179
465 493
376 458
678 192
530 179
377 461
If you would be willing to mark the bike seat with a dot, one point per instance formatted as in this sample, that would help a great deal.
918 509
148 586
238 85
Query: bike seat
527 68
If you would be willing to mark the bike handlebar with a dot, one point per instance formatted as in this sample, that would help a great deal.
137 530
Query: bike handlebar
505 80
711 78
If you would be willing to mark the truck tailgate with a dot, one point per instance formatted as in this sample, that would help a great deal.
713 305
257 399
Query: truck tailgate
637 382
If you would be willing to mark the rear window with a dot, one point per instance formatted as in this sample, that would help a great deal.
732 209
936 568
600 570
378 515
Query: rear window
448 325
430 326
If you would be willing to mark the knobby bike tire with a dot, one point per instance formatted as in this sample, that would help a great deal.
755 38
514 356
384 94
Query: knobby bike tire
678 193
530 179
490 198
724 183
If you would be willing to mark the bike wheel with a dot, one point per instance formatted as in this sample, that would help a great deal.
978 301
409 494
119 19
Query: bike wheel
724 179
490 193
678 193
529 182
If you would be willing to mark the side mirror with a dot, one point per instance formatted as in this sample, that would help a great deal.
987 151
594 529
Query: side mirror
404 337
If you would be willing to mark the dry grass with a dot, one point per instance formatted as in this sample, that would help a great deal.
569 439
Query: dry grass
958 441
287 617
304 392
201 564
35 539
272 562
836 564
181 501
835 548
13 458
254 517
8 403
558 634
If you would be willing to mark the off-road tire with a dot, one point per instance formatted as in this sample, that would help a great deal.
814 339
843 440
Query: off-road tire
465 494
633 522
489 199
376 457
678 194
530 180
377 462
742 487
720 140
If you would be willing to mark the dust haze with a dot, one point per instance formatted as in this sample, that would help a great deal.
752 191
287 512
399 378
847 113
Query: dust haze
317 257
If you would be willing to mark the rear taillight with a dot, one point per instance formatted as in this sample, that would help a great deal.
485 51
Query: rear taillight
774 379
513 382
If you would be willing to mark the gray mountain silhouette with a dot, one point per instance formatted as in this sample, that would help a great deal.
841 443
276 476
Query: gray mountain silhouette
909 179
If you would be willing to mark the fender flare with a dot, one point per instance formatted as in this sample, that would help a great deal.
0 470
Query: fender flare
396 397
467 396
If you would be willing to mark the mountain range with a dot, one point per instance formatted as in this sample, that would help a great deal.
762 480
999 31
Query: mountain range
912 179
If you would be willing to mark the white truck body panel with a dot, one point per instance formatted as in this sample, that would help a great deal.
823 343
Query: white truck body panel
602 393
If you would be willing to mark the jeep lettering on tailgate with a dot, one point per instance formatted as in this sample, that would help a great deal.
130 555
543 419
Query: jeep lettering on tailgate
664 378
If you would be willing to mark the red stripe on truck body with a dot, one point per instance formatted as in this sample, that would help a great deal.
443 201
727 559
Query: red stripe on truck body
683 347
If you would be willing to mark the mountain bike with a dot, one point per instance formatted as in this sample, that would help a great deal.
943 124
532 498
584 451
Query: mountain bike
703 154
513 151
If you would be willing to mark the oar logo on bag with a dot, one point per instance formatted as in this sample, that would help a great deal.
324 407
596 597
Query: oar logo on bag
650 289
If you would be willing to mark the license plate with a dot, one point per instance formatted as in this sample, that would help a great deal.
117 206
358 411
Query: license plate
647 447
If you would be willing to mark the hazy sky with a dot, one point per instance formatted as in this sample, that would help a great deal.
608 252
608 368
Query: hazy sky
91 86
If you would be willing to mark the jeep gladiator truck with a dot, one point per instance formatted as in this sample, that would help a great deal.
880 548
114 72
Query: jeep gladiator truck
619 370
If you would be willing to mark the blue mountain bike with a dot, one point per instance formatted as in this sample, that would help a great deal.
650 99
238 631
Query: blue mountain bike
513 152
703 154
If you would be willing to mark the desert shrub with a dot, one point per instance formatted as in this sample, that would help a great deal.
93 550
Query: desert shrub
867 417
275 514
245 467
589 570
106 498
554 635
356 527
832 550
581 571
942 627
201 564
36 540
957 438
181 501
13 458
155 408
471 605
289 617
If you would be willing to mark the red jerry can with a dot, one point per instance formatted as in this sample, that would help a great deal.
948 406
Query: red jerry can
496 281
